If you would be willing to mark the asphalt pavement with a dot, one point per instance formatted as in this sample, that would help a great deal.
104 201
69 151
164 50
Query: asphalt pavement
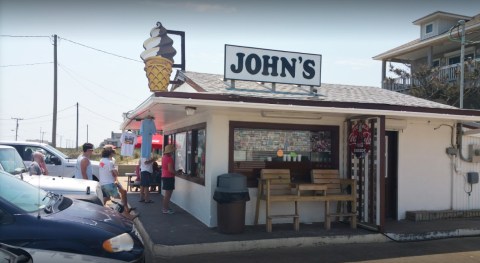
182 236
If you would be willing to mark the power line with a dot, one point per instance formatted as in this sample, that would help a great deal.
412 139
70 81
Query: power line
99 50
20 65
96 114
66 70
96 84
22 36
46 115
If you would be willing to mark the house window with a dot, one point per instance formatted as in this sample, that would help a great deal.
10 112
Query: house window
189 157
436 63
456 59
300 148
428 28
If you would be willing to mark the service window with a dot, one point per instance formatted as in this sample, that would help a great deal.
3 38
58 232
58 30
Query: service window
300 148
189 157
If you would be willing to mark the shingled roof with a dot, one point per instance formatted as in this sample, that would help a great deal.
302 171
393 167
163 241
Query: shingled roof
214 84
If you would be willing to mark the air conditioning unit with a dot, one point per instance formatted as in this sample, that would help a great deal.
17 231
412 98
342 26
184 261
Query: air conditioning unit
474 152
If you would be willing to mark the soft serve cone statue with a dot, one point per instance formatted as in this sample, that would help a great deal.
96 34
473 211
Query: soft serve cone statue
158 58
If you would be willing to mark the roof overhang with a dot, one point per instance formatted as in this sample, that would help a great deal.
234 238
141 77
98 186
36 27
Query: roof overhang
439 14
411 52
168 107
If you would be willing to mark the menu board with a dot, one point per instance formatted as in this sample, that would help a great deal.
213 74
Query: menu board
287 140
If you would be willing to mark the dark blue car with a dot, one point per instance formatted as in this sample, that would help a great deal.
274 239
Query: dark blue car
33 218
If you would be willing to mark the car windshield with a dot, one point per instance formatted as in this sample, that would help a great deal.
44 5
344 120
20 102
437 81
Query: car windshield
56 152
22 194
10 161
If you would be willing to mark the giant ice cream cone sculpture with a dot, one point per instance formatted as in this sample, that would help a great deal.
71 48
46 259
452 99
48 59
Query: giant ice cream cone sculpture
158 58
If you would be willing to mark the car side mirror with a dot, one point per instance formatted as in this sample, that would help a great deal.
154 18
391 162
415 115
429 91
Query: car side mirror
55 160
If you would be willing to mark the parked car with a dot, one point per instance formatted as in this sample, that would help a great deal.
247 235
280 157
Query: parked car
58 164
87 190
31 255
33 218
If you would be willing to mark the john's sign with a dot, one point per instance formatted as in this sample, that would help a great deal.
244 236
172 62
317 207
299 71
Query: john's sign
275 66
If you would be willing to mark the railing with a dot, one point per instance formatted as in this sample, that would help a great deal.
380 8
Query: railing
449 73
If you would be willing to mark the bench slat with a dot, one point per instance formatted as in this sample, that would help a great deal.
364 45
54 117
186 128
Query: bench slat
282 216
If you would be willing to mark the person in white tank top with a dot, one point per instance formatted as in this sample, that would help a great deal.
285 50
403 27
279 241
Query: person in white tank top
83 168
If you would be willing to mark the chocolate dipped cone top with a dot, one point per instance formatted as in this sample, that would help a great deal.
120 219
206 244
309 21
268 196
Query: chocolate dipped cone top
158 58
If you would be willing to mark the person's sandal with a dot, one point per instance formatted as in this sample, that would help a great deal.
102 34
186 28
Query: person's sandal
134 216
168 211
141 200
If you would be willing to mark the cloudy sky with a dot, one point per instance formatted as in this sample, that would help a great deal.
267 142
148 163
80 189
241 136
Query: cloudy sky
100 42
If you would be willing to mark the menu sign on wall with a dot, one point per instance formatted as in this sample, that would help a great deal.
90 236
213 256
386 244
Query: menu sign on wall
272 66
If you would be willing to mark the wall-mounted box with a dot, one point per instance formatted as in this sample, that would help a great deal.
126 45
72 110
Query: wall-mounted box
474 152
472 177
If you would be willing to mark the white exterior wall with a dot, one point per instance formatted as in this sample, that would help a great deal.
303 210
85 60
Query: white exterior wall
426 177
424 170
462 200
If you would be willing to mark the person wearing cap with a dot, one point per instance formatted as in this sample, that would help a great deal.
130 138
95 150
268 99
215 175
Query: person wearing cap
83 168
35 168
111 187
168 177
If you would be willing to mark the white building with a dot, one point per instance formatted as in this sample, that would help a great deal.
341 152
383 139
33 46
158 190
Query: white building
413 163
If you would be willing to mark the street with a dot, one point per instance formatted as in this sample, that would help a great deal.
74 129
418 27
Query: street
445 250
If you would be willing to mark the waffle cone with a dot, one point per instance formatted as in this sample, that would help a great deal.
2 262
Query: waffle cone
158 70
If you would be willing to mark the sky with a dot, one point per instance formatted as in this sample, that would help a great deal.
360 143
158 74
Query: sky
100 41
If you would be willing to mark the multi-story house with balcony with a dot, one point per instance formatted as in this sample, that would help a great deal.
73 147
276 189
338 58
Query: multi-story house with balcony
439 45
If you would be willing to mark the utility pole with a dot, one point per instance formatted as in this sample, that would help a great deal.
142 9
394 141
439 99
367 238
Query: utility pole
77 127
54 128
462 62
16 128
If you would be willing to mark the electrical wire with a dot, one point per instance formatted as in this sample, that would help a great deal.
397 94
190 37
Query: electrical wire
76 73
46 115
23 36
20 65
96 114
81 84
99 50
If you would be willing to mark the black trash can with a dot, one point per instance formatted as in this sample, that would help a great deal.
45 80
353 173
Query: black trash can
231 195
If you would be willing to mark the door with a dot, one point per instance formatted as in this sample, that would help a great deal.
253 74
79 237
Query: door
391 175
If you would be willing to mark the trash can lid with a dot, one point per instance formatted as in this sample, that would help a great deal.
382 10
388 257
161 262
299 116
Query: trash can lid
232 183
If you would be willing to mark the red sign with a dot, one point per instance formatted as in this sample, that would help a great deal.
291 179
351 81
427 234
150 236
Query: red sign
360 139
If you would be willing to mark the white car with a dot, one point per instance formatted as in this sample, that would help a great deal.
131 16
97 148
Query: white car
87 190
58 164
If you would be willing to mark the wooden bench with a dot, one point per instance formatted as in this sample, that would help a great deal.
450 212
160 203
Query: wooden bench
336 191
275 186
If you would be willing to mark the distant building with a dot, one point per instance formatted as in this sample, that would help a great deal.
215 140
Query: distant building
437 46
113 140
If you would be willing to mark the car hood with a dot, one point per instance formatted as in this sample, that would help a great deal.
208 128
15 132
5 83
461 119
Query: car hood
103 218
64 185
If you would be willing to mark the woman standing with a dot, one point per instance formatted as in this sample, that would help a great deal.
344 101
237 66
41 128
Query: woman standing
168 177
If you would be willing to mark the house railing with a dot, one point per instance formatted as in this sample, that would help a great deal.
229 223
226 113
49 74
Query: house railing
448 73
